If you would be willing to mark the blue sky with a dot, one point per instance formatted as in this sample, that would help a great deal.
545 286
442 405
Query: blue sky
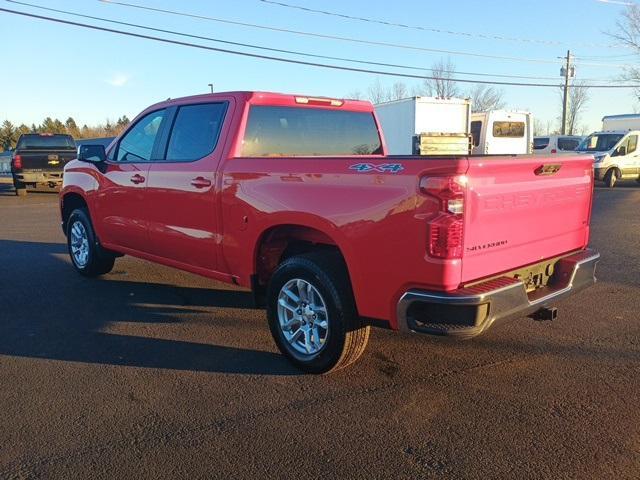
60 71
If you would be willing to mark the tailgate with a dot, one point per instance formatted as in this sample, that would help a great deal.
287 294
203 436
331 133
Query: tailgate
45 160
517 214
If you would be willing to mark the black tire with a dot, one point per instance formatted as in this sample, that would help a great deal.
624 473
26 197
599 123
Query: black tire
98 261
347 335
610 178
21 188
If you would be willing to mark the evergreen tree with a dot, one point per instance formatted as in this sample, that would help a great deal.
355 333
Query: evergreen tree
7 135
72 127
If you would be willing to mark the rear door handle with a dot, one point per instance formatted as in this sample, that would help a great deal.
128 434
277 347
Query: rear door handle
137 178
201 182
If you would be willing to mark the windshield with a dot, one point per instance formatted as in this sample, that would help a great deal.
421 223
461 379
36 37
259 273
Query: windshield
47 142
599 142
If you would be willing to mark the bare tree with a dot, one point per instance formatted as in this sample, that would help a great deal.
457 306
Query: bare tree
578 98
356 95
485 98
398 91
628 33
443 84
376 91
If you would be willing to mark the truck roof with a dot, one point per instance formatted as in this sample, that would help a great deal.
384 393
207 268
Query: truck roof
623 116
275 99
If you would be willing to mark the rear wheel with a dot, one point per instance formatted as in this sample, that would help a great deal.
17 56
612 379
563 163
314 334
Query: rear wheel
88 258
21 188
610 178
312 314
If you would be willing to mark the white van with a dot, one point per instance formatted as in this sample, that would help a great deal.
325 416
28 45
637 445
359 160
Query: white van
616 155
502 132
552 144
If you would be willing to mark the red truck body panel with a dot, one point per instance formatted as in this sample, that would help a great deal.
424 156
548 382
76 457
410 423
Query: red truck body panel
210 216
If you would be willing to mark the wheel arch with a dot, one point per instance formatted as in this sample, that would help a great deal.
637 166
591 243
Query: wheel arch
279 242
69 202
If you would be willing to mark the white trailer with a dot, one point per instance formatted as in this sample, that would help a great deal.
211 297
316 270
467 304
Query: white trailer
502 132
630 121
426 126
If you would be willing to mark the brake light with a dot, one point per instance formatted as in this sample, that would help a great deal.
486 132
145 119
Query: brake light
319 101
446 228
17 162
553 150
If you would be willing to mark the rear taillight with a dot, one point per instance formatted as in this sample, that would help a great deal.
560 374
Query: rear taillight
17 162
446 228
553 150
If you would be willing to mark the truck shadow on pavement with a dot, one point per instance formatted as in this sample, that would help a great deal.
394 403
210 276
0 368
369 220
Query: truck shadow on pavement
48 311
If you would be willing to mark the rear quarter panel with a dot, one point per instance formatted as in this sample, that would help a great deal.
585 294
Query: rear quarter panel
376 219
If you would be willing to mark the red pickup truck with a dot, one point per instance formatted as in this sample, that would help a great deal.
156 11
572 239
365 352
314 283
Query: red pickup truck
295 198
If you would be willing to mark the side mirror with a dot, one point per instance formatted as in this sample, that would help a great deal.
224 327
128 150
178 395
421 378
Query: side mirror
92 153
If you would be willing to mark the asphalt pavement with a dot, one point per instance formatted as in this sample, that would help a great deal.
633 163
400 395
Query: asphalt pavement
149 372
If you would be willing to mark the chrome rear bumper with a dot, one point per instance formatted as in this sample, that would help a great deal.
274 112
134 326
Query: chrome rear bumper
468 312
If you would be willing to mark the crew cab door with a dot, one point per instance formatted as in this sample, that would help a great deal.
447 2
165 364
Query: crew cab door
120 204
181 193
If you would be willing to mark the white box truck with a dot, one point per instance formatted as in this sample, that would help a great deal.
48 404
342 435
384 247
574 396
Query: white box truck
426 126
629 121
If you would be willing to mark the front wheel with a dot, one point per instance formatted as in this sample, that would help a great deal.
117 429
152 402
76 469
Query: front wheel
312 313
610 178
88 258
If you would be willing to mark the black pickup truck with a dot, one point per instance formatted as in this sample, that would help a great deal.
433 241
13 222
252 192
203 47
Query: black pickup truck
39 159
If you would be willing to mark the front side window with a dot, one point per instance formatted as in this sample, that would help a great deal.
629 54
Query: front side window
541 143
137 144
567 143
195 131
476 129
296 131
508 129
632 144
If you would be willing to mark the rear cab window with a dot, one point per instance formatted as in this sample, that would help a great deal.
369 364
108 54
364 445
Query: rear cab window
508 129
46 142
275 131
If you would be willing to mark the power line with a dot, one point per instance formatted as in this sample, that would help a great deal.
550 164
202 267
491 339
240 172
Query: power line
326 36
428 29
293 52
287 60
344 39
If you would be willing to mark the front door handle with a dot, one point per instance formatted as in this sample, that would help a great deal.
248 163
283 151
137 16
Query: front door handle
201 182
137 178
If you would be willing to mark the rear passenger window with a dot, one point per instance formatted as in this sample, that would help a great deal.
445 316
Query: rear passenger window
568 143
195 131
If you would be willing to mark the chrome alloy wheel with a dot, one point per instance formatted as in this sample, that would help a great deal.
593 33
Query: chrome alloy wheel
303 318
79 244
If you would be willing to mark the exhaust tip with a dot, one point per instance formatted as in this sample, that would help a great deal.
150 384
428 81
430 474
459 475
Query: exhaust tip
545 314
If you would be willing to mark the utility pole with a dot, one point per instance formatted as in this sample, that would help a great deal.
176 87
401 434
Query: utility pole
565 98
211 85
